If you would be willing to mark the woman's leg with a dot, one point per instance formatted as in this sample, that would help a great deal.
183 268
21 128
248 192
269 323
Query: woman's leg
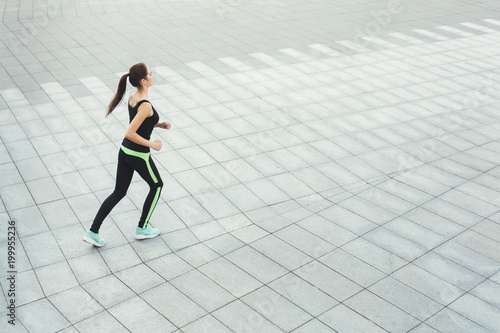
124 175
148 171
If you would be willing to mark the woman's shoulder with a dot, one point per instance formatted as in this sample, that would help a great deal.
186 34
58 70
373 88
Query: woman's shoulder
135 101
144 106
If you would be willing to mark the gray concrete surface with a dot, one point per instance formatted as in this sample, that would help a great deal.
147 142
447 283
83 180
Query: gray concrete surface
332 166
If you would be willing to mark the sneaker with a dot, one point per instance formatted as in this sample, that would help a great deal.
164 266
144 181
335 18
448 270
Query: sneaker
148 232
94 239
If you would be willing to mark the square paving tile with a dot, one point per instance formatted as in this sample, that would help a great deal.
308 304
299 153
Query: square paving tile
428 284
202 290
230 277
140 278
76 304
206 324
351 267
173 304
328 280
381 312
51 320
449 321
344 319
108 291
276 308
405 298
449 271
281 252
239 317
42 249
99 322
141 310
303 294
477 310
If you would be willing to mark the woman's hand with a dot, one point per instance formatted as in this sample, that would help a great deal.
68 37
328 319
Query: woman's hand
156 145
164 125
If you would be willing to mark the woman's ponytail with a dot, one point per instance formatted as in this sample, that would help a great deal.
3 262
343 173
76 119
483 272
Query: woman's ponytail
122 86
135 74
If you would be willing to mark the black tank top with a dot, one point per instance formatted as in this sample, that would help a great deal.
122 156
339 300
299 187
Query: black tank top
144 130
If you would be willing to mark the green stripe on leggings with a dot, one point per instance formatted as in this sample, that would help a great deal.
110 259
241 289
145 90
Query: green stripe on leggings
157 195
145 157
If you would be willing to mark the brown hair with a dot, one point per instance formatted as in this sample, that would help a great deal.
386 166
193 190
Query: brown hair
135 74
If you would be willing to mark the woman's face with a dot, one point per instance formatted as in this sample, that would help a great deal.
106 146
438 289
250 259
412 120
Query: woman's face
148 80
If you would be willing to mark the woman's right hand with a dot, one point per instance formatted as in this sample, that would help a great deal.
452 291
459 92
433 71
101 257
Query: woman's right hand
156 145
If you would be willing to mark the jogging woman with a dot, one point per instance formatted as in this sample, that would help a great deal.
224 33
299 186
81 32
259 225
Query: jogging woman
134 154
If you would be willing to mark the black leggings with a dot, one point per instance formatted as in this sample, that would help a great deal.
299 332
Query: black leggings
128 162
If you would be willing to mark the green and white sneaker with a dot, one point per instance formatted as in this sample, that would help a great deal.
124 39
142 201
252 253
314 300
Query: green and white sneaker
148 232
94 239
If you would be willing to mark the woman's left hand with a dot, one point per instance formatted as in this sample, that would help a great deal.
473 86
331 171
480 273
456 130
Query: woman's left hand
165 125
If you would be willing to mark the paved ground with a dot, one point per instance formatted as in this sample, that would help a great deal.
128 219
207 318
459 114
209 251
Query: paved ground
332 166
